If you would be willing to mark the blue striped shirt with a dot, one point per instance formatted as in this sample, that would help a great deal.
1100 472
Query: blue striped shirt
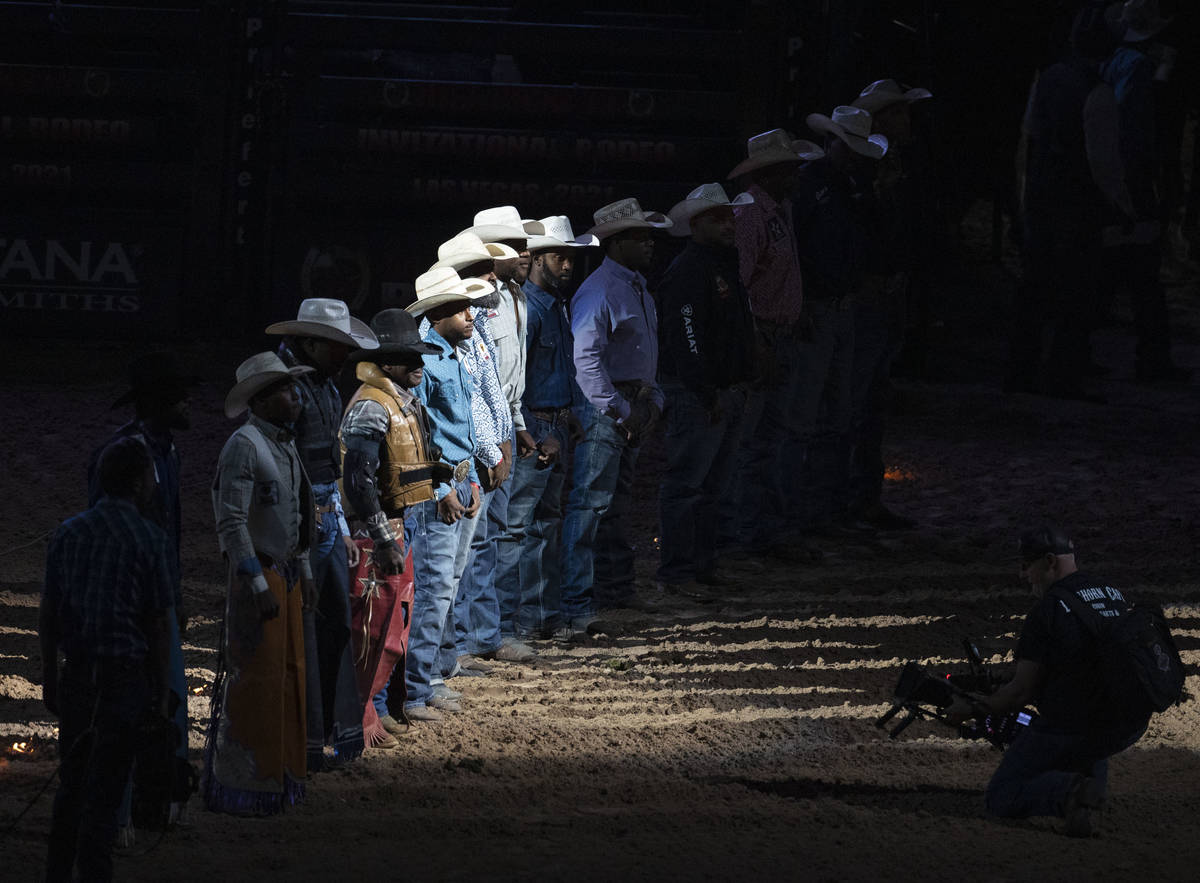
108 570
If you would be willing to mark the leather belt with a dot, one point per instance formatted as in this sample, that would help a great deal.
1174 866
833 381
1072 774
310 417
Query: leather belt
552 416
326 509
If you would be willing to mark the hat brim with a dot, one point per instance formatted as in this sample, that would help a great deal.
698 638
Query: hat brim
648 221
495 232
544 243
873 147
360 336
807 150
381 355
167 384
239 397
877 101
685 210
772 156
470 291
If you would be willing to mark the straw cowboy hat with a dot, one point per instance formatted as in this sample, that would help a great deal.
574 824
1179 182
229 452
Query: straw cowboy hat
1135 20
156 376
442 285
503 222
766 149
885 93
466 248
703 198
327 319
625 214
256 374
853 126
558 234
807 150
398 336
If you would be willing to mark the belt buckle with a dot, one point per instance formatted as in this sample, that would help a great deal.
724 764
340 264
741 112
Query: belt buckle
462 470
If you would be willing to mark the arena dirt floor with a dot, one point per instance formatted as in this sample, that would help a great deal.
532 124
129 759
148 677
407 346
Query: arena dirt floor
733 740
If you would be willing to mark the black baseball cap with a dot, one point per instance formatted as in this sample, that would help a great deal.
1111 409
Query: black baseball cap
1042 540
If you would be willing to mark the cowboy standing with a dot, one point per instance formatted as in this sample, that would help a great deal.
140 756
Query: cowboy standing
615 329
445 390
834 215
527 566
770 273
388 466
255 759
706 362
321 337
107 604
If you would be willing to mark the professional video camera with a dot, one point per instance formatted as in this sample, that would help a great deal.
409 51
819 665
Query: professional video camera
921 694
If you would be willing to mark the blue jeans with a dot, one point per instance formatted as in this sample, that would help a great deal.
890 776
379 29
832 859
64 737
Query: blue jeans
770 444
701 456
597 560
527 572
477 608
110 702
1039 768
435 550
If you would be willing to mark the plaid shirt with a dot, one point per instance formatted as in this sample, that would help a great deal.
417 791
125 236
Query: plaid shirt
107 570
770 267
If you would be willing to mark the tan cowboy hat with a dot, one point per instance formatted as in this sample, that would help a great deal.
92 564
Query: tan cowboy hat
328 319
853 126
625 214
558 234
703 198
807 150
766 149
442 285
466 248
885 93
503 222
1135 20
256 374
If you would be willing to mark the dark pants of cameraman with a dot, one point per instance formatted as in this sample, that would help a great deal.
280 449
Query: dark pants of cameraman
1040 767
100 705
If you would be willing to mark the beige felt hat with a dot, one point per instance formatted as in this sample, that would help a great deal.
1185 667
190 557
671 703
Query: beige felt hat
558 234
703 198
256 374
766 149
503 223
853 126
885 93
625 214
442 285
329 319
807 150
466 248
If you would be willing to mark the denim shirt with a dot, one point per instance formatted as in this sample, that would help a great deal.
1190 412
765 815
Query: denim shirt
445 391
616 336
549 368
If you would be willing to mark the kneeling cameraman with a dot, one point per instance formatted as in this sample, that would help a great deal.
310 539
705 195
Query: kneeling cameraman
1059 766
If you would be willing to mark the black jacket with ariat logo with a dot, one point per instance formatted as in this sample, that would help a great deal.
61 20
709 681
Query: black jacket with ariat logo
706 334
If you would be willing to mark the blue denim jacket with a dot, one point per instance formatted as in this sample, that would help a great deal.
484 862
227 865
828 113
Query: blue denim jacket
445 391
549 366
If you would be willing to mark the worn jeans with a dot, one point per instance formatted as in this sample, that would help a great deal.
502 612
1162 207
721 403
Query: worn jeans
99 709
527 566
701 457
1039 768
476 607
597 558
436 548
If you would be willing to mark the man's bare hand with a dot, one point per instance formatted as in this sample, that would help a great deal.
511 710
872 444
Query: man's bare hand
470 511
548 451
526 446
501 472
449 510
308 590
352 551
574 427
389 558
268 607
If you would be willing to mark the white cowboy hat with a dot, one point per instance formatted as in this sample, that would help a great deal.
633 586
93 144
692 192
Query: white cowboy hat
256 374
1135 20
466 248
558 234
503 222
703 198
328 319
885 93
766 149
853 126
442 285
807 150
625 214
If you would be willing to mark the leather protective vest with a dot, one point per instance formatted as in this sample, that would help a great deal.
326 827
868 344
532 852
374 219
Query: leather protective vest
405 475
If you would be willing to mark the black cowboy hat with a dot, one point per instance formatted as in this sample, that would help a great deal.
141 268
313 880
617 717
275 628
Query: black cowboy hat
398 336
156 374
